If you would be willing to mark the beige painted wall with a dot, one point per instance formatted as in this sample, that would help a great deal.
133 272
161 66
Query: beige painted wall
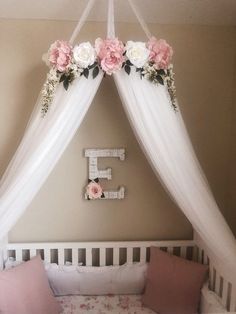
204 59
231 199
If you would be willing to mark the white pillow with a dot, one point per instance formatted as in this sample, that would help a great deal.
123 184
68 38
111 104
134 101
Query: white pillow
90 280
96 280
130 279
96 269
210 302
63 280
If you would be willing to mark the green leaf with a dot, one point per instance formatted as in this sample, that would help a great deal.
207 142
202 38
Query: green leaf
95 71
86 72
89 180
66 83
129 63
102 196
161 72
71 77
93 65
138 69
127 69
62 78
96 180
160 79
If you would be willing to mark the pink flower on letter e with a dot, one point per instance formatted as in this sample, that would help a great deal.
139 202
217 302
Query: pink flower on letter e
60 54
94 191
160 53
110 54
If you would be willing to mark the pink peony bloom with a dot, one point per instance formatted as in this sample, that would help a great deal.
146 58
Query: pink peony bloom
60 54
94 190
110 54
160 53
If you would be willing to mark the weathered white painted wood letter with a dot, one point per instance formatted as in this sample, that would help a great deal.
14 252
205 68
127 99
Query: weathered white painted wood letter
94 172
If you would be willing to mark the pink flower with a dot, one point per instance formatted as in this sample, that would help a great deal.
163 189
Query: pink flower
94 190
160 53
60 54
110 54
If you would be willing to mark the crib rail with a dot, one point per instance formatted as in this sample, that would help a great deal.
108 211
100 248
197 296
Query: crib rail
97 253
219 281
118 253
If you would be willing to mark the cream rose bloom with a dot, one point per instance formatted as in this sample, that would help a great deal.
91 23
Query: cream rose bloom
84 55
137 53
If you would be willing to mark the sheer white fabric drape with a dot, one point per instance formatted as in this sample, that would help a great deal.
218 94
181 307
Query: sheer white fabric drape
43 143
163 137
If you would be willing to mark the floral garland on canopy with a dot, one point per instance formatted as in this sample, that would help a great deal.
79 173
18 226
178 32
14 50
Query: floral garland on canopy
152 60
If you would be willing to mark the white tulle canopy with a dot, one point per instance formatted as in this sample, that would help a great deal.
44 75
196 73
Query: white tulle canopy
159 129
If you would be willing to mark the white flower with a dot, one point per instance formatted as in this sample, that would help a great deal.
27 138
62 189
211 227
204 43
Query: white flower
137 53
76 70
84 55
52 75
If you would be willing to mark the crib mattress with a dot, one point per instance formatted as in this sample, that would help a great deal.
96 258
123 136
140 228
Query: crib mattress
119 304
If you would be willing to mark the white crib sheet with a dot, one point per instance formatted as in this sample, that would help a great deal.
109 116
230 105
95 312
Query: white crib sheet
118 304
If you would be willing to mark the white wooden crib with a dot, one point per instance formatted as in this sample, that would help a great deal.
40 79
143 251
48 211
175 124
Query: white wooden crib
117 253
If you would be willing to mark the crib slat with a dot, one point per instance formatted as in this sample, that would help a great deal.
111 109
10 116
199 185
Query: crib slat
170 250
232 306
211 276
102 256
225 292
47 255
129 258
116 256
75 256
183 251
143 252
195 251
61 257
205 259
88 257
200 252
217 284
18 255
33 253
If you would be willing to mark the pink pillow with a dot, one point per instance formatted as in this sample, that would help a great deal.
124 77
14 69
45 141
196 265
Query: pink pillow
173 284
24 289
